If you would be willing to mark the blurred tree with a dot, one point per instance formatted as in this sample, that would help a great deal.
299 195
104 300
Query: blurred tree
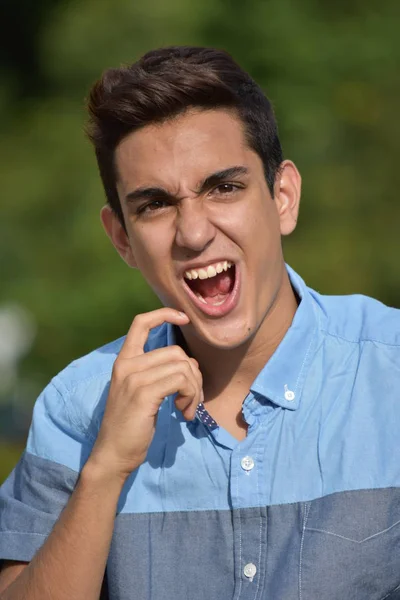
21 26
331 70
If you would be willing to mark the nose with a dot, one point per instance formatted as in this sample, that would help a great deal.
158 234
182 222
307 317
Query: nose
194 230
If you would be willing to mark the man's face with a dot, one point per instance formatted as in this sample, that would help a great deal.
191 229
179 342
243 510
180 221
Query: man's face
202 226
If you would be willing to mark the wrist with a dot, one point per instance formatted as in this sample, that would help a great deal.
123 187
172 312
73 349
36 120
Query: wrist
98 475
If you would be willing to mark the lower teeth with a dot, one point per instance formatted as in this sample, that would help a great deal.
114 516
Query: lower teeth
218 303
200 297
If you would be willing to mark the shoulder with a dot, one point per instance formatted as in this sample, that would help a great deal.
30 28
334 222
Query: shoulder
360 409
358 319
79 392
98 364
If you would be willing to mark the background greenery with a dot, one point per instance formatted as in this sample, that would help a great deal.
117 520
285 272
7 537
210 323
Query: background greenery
332 72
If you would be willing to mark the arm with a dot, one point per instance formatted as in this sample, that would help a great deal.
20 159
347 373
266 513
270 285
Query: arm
71 562
10 571
75 553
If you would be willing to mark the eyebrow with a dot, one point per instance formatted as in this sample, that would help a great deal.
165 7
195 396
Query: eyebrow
210 181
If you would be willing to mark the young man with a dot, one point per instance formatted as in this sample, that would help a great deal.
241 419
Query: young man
243 441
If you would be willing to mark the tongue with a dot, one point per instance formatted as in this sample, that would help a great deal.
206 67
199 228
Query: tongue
220 284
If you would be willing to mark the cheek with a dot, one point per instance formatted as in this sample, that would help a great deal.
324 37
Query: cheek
151 250
254 226
266 223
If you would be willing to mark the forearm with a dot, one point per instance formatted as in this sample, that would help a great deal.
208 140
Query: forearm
72 561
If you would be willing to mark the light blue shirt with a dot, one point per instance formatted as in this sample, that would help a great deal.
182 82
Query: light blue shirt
307 506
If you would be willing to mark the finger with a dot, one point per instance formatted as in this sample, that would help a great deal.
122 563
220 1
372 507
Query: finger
161 372
189 413
151 359
199 379
186 406
196 371
141 325
178 383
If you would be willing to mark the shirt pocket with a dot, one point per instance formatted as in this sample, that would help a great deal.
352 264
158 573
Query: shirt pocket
351 546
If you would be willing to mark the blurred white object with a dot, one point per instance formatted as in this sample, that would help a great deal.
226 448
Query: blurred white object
17 334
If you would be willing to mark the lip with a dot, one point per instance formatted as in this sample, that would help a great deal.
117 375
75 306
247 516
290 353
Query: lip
222 309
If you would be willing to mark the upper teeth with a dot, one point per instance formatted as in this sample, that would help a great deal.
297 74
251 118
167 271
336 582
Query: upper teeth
209 271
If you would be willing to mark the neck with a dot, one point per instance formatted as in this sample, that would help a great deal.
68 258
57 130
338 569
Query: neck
231 372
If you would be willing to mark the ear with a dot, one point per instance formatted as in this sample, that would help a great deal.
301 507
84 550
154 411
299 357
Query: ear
117 234
287 192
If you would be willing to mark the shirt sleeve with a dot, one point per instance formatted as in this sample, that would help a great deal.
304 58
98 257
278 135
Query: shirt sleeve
39 487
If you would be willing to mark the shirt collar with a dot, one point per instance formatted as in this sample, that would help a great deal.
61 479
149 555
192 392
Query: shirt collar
282 379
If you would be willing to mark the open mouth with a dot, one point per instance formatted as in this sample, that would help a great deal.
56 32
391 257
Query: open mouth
213 288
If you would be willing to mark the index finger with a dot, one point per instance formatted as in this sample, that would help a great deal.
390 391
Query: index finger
141 325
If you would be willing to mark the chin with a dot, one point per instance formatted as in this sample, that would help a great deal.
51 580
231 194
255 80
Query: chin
223 336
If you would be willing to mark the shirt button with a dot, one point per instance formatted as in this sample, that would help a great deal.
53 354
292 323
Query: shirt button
289 395
247 463
250 570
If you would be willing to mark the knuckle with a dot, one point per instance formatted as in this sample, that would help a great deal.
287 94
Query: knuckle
194 363
185 366
139 318
181 378
178 352
117 370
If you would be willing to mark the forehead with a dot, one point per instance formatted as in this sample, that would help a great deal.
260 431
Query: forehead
182 151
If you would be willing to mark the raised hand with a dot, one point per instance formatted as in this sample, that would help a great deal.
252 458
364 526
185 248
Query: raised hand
140 381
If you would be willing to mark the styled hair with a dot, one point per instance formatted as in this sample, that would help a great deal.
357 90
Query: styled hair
165 83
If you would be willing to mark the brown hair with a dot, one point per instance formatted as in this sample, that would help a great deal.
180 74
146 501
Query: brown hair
165 83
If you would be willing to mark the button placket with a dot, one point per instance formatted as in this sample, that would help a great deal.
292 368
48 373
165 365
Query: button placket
249 521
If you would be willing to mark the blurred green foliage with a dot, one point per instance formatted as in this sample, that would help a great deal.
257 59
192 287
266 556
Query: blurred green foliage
9 454
331 70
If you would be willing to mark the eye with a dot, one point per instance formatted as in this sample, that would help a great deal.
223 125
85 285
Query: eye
225 189
152 206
